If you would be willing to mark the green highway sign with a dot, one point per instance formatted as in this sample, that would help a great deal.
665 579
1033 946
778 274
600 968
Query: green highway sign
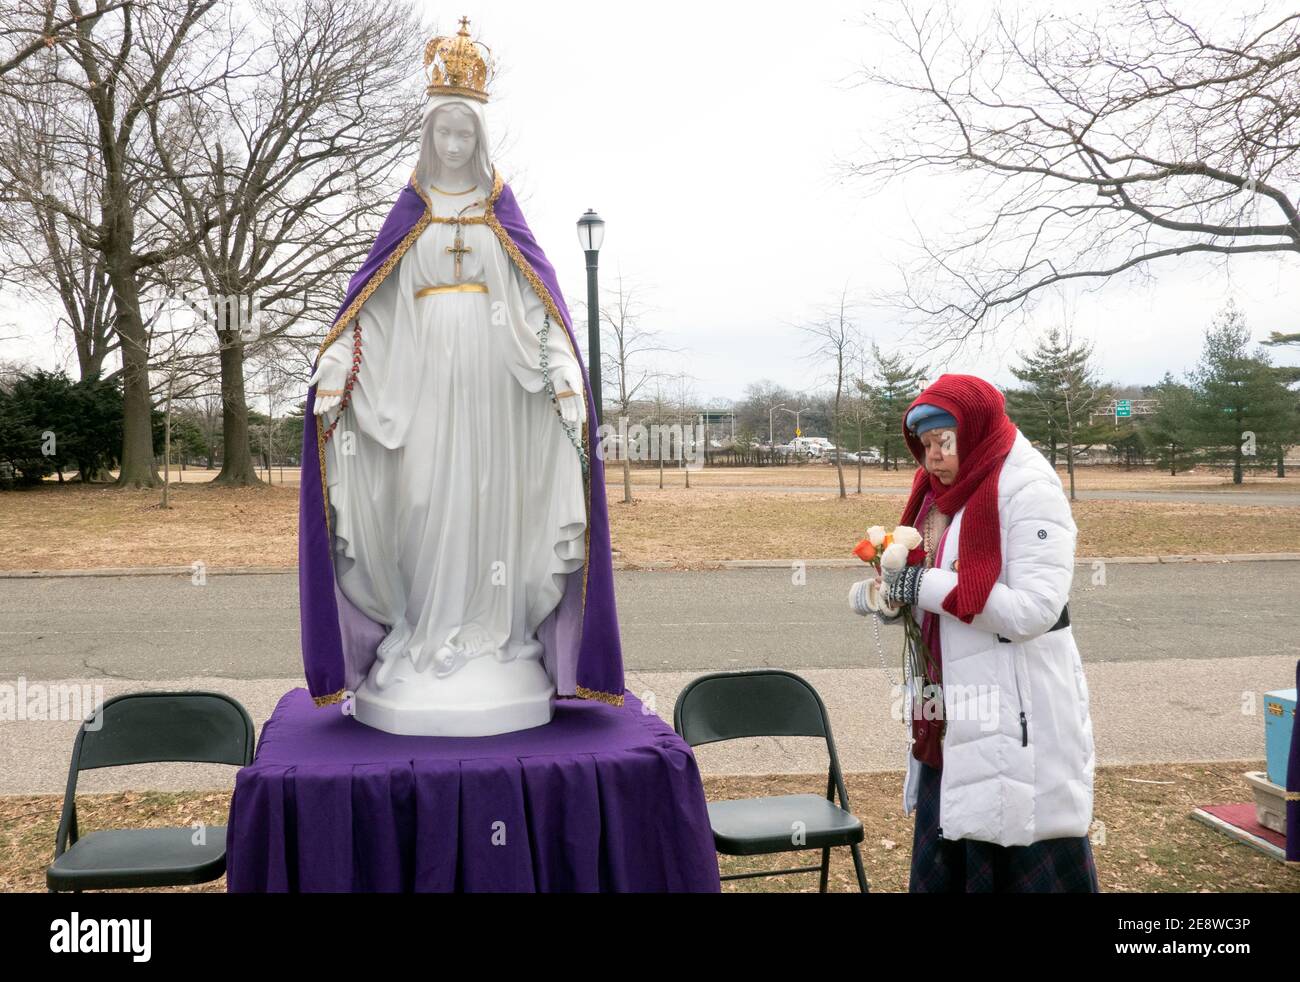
1122 408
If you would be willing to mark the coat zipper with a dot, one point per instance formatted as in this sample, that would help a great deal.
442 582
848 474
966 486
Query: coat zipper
1020 701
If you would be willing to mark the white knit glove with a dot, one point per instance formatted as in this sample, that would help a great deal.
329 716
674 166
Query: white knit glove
869 597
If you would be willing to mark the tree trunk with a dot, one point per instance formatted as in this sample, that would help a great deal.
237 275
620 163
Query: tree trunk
627 478
1069 456
1281 462
167 445
682 453
138 469
859 456
237 458
90 361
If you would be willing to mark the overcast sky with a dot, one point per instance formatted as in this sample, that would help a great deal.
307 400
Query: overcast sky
710 137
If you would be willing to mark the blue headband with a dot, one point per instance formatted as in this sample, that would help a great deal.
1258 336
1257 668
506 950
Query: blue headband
925 417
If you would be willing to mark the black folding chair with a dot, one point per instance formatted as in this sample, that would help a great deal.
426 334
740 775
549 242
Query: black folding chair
770 702
147 728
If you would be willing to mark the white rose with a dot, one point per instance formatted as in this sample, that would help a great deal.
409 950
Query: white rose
876 535
908 536
895 557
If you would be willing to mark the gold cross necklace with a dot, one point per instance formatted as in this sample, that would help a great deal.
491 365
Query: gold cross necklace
458 249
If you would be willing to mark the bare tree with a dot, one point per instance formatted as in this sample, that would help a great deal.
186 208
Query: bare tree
684 397
660 400
1105 144
209 416
859 407
29 28
836 342
48 168
178 358
757 411
625 347
260 155
284 152
51 188
117 64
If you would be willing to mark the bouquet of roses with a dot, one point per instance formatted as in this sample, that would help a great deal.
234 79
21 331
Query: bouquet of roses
889 554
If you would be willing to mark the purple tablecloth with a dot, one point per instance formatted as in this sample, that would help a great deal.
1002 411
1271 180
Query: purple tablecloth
601 798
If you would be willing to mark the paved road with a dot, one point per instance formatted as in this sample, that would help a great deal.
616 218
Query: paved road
161 627
1176 656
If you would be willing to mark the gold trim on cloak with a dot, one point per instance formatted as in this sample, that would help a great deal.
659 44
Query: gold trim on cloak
329 700
525 267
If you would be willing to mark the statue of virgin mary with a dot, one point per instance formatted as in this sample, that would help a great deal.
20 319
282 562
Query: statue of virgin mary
455 572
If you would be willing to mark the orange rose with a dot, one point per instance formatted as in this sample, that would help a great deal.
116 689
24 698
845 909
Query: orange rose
865 551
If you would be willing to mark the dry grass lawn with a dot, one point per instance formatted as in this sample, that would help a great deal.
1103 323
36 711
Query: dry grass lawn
810 475
824 476
76 527
1152 845
1151 842
697 527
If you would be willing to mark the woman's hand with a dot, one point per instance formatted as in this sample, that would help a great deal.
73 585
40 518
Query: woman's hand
330 377
868 597
906 587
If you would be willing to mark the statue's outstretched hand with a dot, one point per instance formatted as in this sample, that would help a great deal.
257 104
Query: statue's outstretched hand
572 399
330 377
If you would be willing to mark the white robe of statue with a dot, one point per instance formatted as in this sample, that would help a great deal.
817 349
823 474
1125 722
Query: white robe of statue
456 494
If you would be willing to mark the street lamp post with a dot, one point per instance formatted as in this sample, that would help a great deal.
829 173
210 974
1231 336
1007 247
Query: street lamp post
591 233
795 413
771 439
798 430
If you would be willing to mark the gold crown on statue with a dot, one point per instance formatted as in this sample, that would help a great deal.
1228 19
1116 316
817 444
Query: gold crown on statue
454 65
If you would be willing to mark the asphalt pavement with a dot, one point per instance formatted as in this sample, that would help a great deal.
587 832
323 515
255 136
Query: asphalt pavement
1176 656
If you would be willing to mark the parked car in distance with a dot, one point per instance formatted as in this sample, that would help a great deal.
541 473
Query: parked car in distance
856 456
815 446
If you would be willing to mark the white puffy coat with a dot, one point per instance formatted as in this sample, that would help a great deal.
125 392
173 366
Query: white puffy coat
1005 782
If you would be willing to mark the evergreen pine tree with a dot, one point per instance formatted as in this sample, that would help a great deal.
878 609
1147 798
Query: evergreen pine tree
1170 430
1243 412
1059 394
896 383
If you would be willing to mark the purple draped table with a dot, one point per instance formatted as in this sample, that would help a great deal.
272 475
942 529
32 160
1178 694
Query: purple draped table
602 798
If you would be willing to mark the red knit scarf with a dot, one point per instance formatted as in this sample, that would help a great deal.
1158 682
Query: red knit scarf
984 437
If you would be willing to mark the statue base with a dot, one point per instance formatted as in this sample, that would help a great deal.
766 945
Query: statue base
483 697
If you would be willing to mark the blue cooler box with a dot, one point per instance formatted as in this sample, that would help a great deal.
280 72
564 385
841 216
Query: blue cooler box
1279 718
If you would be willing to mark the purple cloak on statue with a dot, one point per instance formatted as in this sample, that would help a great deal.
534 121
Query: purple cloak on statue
581 639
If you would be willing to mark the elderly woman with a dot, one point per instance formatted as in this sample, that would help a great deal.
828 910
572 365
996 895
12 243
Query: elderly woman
1000 774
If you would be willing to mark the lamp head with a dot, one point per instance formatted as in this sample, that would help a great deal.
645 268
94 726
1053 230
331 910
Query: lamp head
591 231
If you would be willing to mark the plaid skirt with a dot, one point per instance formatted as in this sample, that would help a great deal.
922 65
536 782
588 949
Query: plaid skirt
965 866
